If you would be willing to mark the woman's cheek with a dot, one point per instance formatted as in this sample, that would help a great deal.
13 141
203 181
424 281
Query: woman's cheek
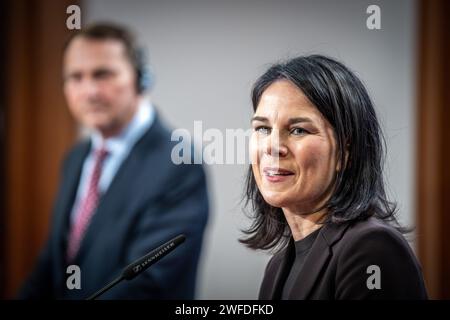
308 156
313 164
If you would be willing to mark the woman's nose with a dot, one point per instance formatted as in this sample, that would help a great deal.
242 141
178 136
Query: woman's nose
275 146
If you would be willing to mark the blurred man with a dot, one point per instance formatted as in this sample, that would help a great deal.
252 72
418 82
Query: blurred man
120 194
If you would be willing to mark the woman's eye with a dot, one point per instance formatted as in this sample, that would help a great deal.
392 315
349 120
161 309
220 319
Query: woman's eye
262 129
299 131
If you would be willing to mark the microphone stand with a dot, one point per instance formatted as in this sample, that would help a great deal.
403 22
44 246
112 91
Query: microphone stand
140 265
106 288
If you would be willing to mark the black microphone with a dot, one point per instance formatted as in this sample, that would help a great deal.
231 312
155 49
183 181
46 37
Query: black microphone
140 265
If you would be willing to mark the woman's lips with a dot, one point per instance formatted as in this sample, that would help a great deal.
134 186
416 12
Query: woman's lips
277 174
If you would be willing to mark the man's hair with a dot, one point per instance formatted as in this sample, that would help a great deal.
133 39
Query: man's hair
111 31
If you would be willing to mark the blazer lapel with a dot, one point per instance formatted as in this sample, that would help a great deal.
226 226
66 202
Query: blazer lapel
112 202
274 289
317 260
72 175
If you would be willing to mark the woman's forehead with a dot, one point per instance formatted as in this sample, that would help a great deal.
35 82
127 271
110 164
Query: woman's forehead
289 114
283 100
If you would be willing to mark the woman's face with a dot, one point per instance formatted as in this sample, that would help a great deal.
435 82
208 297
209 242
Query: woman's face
293 150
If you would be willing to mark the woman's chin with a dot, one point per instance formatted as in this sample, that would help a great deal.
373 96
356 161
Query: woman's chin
275 199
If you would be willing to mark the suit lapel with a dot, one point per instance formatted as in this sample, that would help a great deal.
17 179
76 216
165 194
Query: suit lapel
112 202
71 180
317 260
274 288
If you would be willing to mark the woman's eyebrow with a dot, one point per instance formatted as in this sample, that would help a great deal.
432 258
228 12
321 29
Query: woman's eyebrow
258 118
298 120
290 121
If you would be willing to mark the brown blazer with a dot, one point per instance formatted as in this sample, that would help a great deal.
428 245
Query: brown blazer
336 267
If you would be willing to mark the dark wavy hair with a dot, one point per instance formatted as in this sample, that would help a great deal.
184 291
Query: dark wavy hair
359 190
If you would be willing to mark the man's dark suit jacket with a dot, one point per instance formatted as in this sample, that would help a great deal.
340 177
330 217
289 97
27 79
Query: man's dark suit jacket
149 201
336 267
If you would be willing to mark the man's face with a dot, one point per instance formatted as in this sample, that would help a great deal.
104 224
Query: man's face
100 84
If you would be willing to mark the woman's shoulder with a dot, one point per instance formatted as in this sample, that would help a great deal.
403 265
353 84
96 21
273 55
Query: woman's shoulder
375 247
375 238
373 228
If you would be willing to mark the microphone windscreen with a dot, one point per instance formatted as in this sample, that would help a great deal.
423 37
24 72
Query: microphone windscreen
152 257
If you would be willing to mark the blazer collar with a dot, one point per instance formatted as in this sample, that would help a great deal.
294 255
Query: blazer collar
72 172
317 259
111 202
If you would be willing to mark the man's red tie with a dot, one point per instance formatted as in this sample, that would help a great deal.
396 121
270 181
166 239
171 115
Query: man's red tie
87 207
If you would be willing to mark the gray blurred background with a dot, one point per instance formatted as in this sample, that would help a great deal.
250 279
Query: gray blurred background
207 54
